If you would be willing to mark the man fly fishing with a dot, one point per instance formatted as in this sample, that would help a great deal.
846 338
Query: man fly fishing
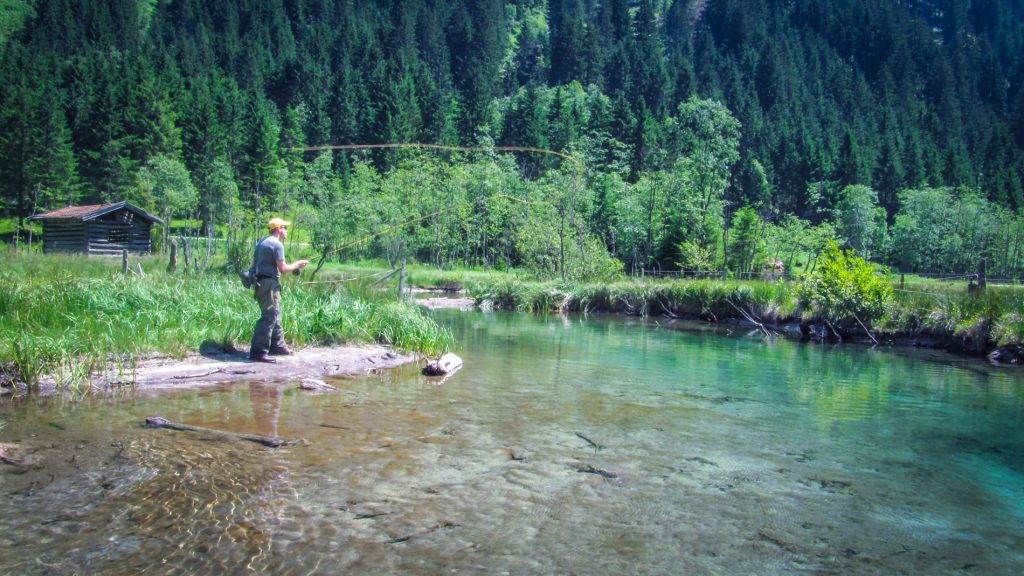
269 265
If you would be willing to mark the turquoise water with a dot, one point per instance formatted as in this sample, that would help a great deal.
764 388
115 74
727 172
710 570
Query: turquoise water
565 445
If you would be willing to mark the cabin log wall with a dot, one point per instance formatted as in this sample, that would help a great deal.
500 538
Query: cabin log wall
64 236
103 229
136 236
94 236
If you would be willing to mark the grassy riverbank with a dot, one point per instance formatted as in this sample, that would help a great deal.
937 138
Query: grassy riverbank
946 315
974 321
69 315
698 299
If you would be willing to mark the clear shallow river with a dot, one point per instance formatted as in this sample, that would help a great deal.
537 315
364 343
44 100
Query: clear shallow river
715 454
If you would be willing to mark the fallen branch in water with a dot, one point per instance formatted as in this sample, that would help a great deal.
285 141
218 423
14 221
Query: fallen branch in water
750 318
595 445
870 335
835 333
268 441
588 469
665 308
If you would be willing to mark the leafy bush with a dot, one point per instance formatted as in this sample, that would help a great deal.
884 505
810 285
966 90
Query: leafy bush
844 289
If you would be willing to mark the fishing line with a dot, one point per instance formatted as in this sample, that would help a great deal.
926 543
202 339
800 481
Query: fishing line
436 147
340 280
387 229
399 225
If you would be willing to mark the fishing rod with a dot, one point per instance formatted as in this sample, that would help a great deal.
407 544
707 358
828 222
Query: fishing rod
531 149
436 147
360 240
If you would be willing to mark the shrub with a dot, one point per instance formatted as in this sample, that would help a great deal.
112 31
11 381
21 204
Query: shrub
844 289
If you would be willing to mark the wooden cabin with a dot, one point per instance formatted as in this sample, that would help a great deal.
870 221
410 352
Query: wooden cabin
101 229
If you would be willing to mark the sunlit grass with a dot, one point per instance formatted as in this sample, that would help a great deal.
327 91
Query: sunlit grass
430 277
698 299
60 313
950 309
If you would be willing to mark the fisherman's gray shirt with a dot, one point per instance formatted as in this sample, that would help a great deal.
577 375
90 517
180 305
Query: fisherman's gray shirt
268 252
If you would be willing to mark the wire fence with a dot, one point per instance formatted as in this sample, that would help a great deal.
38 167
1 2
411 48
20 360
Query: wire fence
908 278
963 277
770 276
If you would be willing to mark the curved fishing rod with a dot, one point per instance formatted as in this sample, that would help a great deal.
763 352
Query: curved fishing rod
430 147
436 147
360 240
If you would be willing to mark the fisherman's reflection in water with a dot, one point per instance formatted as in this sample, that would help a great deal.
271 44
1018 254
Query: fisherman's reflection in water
266 406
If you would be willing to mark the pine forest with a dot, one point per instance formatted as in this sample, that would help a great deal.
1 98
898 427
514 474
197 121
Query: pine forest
580 139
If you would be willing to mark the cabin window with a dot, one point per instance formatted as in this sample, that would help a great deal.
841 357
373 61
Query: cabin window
118 235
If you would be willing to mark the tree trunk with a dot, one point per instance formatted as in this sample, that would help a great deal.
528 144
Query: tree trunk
209 240
561 244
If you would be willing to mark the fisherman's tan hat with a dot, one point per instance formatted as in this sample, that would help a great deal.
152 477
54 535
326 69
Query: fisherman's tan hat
276 223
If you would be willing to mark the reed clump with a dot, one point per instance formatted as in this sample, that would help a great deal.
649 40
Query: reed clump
65 316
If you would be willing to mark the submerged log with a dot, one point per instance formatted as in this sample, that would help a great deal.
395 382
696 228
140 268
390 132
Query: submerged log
443 366
270 442
593 444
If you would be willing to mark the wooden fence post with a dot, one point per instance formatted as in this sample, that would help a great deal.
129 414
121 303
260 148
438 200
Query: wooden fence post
401 281
186 248
173 263
124 262
981 275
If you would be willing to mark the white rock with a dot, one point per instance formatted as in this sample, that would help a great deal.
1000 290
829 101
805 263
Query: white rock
446 364
318 385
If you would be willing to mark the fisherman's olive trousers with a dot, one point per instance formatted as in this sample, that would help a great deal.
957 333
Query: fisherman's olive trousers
268 334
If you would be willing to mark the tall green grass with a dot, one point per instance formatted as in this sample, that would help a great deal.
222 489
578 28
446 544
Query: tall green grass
430 277
994 314
65 315
704 299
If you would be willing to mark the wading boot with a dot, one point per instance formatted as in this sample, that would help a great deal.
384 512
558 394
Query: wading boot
282 351
263 358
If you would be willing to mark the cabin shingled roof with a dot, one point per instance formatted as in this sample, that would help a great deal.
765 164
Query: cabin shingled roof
89 212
